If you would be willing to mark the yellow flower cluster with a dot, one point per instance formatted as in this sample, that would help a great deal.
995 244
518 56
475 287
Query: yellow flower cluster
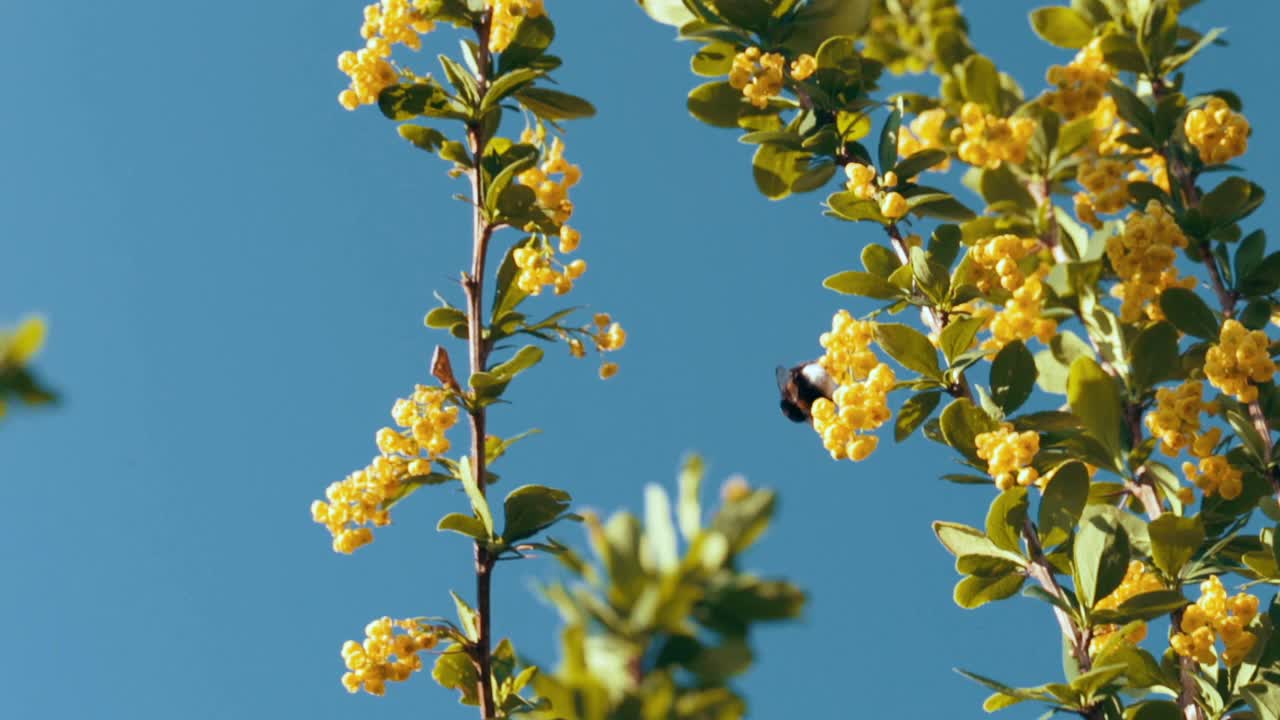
925 132
1214 616
860 402
1001 255
1240 358
1081 84
1217 133
359 499
862 183
758 75
607 335
1137 580
1022 317
1215 476
985 140
538 267
385 654
1106 167
1176 420
553 195
1143 256
1008 455
804 66
386 23
507 15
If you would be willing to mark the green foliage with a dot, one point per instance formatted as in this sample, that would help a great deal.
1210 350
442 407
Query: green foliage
18 380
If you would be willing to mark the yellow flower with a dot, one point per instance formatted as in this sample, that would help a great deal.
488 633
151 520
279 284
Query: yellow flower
1176 420
507 15
1143 256
1215 476
386 24
1214 616
1081 84
803 66
390 651
893 206
985 140
1023 315
358 501
1240 359
1009 455
860 402
758 75
925 133
1137 580
1217 133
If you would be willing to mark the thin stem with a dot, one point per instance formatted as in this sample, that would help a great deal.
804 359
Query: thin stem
1042 572
478 352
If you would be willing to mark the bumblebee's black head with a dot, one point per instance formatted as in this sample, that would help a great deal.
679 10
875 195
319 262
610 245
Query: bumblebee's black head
800 386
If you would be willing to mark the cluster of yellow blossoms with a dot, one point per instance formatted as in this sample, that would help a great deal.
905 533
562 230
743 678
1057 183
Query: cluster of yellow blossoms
386 23
1143 256
1217 133
1214 616
1137 580
1081 84
385 654
860 402
1106 166
862 183
1008 455
507 15
925 132
607 335
1002 256
1241 358
804 66
1023 315
537 261
985 140
1176 420
359 499
1215 476
758 75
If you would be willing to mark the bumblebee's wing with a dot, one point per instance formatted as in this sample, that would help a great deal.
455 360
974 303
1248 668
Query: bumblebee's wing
783 377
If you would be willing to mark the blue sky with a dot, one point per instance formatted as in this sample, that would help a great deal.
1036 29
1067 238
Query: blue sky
236 269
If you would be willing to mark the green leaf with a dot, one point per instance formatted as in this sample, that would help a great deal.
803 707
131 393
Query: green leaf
1154 356
888 150
1233 200
461 79
1262 279
776 170
714 59
1095 399
525 358
913 413
1062 26
1100 555
853 282
932 279
533 37
507 296
975 591
1013 376
659 532
507 84
815 178
1189 313
1147 606
981 82
1002 186
554 105
1063 501
961 422
820 20
455 671
445 317
847 206
479 505
717 104
531 509
1131 107
1174 541
879 260
689 509
957 337
668 12
1155 710
917 163
425 138
964 541
1006 517
467 525
747 14
1249 254
909 347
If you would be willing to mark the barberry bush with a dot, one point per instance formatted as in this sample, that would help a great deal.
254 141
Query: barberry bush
651 627
1085 326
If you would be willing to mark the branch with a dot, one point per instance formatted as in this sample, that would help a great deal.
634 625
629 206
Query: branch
1042 572
478 351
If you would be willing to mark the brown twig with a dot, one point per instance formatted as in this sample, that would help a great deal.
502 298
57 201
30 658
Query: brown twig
478 351
1042 572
